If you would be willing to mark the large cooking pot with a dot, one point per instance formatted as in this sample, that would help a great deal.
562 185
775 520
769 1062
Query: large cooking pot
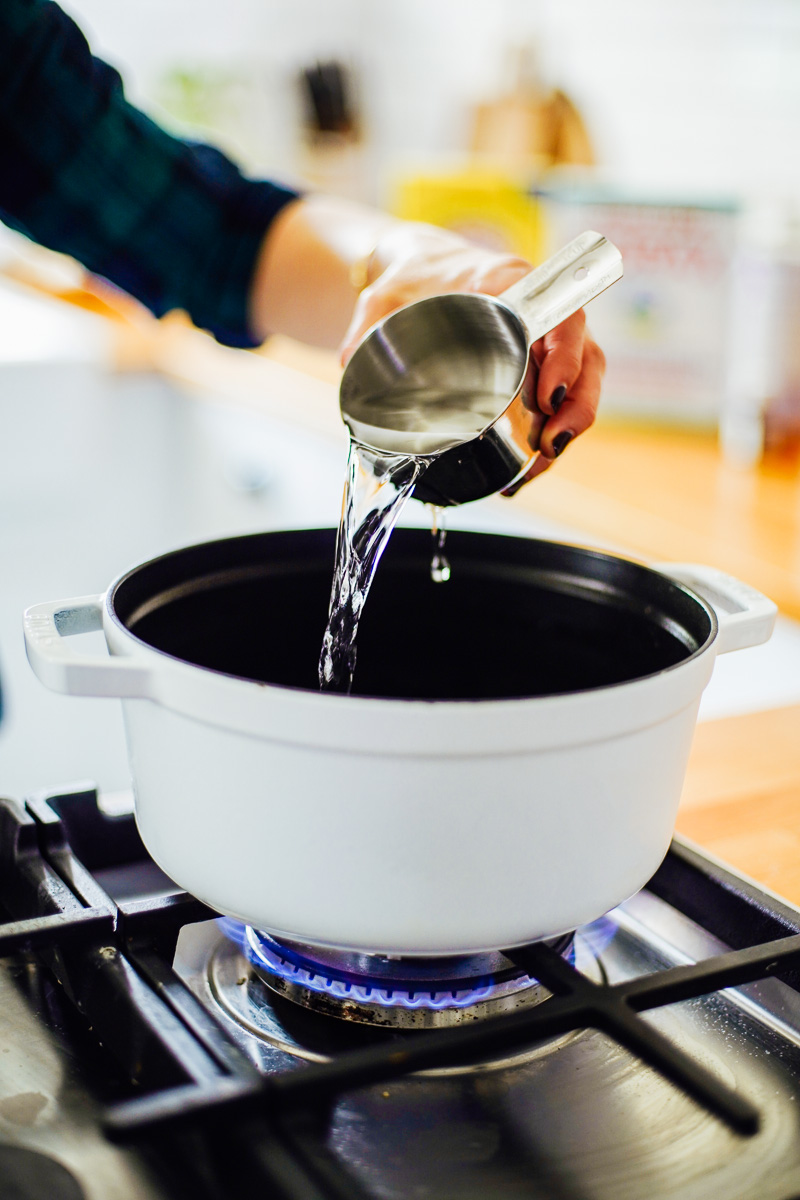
508 767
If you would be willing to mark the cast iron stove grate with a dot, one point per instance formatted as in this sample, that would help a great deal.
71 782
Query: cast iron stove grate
202 1097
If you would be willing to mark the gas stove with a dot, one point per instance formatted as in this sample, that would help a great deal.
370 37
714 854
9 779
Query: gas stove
150 1049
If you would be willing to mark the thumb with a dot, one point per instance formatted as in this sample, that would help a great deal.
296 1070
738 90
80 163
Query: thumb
364 316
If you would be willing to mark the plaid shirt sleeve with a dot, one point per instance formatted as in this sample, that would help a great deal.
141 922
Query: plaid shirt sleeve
173 223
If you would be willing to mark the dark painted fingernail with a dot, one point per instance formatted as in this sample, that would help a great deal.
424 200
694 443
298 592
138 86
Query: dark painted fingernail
557 398
560 442
512 491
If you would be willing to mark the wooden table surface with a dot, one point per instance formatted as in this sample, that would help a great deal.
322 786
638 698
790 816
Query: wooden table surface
670 494
741 798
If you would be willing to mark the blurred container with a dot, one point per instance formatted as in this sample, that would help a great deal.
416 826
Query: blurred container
489 207
782 404
666 330
335 163
332 156
762 408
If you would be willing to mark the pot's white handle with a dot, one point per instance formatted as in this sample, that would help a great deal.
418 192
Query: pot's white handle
746 617
61 668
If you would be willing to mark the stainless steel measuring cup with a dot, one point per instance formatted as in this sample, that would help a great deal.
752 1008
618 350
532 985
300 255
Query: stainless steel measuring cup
452 376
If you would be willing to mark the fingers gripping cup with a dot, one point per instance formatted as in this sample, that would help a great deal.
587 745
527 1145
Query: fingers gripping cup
452 376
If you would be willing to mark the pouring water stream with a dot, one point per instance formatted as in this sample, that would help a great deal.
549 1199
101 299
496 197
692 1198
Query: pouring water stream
377 487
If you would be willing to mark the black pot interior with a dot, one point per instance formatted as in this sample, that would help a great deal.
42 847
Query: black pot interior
518 617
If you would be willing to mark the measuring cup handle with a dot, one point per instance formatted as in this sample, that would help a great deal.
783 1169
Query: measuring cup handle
581 270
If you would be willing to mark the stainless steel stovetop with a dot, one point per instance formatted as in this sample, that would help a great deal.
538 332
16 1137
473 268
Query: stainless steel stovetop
143 1056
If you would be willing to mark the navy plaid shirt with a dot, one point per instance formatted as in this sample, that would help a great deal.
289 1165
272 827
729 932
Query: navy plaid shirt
173 223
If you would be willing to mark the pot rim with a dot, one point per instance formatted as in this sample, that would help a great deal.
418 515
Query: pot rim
338 697
367 724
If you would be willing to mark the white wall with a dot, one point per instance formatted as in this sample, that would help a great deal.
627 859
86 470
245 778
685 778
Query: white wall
696 94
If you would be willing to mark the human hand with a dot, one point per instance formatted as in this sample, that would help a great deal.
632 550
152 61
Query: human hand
571 368
411 262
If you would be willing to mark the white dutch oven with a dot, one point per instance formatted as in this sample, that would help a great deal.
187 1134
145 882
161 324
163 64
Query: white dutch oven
488 818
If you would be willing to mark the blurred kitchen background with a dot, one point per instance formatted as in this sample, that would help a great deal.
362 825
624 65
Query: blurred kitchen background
671 128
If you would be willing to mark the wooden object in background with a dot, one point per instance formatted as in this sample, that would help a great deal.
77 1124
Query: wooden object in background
531 128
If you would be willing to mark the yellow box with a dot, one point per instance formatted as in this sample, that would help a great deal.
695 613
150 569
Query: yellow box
488 207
